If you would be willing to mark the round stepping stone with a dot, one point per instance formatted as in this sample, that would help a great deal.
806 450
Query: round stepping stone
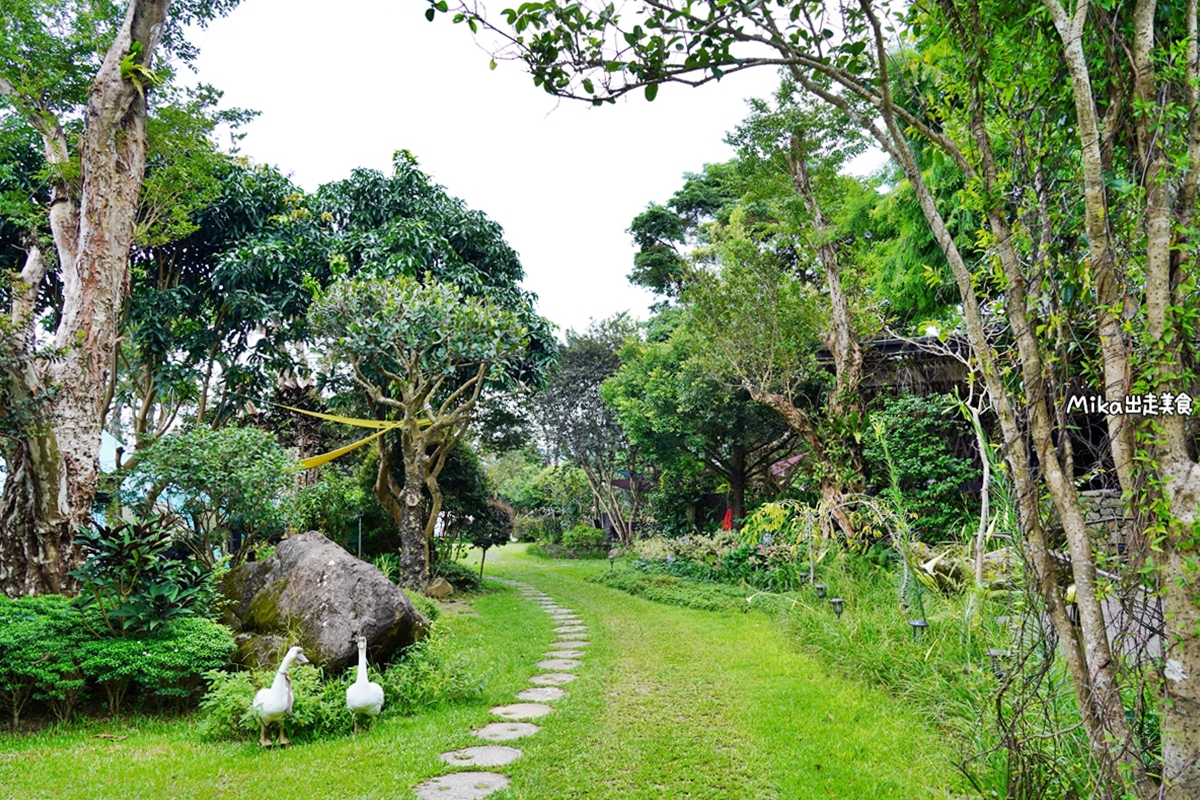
522 711
505 731
461 786
559 663
492 755
563 653
569 642
541 694
570 629
553 678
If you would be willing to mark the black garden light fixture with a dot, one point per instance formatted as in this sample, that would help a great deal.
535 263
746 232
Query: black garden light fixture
995 656
838 604
820 587
612 557
918 628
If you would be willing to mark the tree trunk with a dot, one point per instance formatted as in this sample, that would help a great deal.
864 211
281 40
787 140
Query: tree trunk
1181 723
414 546
409 516
58 465
737 483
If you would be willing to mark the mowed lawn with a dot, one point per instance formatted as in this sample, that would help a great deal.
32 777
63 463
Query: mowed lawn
678 703
670 703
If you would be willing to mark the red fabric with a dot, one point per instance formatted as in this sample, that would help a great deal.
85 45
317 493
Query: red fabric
727 523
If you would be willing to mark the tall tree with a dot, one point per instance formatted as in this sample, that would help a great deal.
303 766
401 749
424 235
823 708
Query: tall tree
579 426
425 356
60 61
675 405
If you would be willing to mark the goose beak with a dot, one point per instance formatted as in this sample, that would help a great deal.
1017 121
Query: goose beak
300 659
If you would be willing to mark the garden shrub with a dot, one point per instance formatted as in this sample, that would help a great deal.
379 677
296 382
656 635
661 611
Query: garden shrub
49 654
174 660
719 558
917 432
318 705
584 538
462 577
431 672
37 638
135 577
675 591
332 505
388 564
426 605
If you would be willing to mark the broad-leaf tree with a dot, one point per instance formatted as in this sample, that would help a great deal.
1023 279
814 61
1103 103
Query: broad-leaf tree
426 356
675 406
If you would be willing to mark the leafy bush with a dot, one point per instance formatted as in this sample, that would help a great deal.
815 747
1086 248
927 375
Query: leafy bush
174 659
426 605
541 527
226 483
132 577
719 558
433 671
331 505
47 655
584 538
388 564
37 637
917 433
462 577
675 591
318 705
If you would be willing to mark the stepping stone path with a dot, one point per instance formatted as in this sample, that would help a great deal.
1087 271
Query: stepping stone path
493 755
471 784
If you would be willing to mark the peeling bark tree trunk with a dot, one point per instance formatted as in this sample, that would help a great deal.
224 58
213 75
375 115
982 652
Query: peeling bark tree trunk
844 406
56 470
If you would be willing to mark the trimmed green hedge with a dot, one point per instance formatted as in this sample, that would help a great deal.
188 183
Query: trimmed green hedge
53 655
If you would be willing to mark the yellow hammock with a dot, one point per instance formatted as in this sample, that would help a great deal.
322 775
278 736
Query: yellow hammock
384 425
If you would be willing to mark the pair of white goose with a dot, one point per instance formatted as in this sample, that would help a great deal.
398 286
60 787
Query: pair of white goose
274 704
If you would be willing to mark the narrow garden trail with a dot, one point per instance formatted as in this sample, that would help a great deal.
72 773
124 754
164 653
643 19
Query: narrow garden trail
678 703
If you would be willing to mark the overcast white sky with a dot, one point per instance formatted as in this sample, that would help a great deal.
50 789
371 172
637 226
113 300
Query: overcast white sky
343 85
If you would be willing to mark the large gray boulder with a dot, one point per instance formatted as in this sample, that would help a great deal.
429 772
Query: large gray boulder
314 592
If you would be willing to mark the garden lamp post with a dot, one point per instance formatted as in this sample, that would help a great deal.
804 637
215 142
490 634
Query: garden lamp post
995 656
918 628
360 537
820 587
837 604
612 557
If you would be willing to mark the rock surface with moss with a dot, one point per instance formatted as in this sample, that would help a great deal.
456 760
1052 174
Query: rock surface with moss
314 593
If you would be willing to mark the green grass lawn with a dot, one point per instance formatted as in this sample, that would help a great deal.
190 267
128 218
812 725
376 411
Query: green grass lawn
679 703
670 703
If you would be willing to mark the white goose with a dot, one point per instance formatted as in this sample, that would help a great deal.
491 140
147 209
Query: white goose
363 696
275 703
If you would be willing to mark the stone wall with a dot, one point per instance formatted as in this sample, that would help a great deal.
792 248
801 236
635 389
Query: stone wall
1106 519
